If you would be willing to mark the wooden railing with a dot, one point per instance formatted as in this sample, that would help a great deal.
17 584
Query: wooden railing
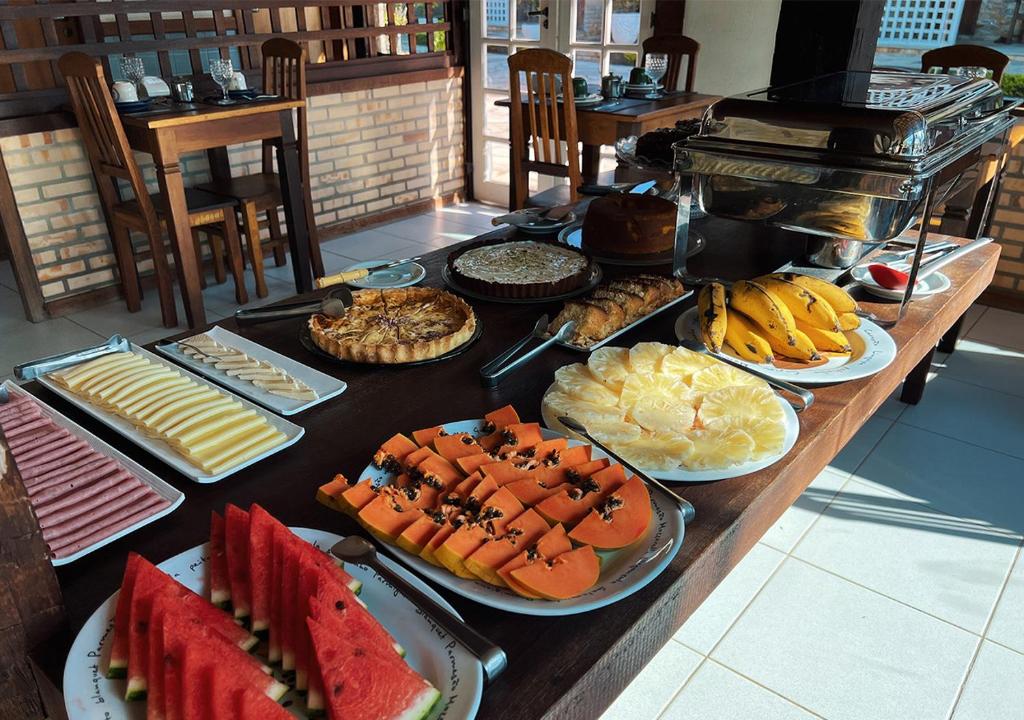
345 39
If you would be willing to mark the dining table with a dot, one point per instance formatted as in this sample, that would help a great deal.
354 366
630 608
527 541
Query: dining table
170 130
571 666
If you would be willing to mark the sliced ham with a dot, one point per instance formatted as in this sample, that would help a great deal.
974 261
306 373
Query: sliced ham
73 544
123 494
40 441
117 497
25 439
27 427
86 464
75 489
54 441
59 459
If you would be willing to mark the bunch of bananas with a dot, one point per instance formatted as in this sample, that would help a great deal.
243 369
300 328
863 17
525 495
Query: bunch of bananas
797 317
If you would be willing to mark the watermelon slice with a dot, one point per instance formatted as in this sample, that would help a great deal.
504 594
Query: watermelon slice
236 541
172 678
220 590
363 682
150 582
336 607
289 592
155 681
194 678
261 528
250 705
276 583
117 665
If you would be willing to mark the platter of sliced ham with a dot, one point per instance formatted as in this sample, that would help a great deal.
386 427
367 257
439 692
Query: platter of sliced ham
84 493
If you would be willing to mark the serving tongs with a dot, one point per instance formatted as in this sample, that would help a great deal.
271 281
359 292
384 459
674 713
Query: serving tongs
334 305
38 368
495 371
535 217
360 551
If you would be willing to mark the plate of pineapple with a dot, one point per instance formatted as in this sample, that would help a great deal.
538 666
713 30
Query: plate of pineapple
797 328
676 414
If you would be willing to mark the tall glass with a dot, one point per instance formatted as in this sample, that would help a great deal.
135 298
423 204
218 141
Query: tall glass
134 71
656 65
222 72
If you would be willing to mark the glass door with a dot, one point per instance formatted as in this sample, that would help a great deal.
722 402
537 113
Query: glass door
603 36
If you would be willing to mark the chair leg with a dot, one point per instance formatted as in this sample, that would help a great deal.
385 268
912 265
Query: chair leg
217 254
251 226
234 248
126 265
197 248
164 277
276 239
315 256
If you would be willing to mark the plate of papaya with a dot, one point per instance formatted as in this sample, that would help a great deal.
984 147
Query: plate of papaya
512 515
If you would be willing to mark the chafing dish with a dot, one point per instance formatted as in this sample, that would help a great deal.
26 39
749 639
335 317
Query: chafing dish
854 155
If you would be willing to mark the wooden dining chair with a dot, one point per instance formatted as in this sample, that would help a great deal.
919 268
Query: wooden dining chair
112 159
953 56
548 122
284 74
676 47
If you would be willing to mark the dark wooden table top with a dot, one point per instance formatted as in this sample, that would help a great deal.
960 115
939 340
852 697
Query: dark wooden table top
187 114
568 667
641 109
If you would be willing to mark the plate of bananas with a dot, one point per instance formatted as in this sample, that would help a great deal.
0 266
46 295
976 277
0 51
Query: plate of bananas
793 327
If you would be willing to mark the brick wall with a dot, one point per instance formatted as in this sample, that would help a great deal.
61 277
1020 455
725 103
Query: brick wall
370 151
1008 226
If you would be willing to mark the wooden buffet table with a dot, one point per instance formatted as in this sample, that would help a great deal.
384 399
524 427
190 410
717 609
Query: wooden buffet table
167 134
568 667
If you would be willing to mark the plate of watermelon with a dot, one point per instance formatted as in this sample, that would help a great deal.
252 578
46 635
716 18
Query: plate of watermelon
512 515
292 634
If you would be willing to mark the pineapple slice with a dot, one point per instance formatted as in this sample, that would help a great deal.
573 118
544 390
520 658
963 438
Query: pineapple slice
720 376
576 381
640 385
660 451
610 365
740 402
659 414
646 357
683 363
715 449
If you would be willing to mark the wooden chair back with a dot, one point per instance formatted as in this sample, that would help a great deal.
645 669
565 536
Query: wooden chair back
676 47
284 74
547 122
953 56
102 132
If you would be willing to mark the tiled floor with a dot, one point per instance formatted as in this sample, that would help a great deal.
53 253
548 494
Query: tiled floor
894 586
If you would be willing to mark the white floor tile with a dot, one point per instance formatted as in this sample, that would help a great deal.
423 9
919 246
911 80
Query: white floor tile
845 652
860 445
995 687
708 624
426 229
12 314
988 366
893 407
31 341
947 566
1008 620
999 327
370 245
970 413
654 687
717 693
950 476
113 317
974 314
788 529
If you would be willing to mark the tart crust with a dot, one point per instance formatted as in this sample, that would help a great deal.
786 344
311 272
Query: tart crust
394 326
522 290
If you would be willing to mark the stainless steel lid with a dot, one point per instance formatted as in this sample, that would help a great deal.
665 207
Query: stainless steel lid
900 121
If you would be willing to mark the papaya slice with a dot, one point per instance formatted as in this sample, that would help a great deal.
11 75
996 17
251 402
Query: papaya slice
497 512
417 456
563 577
415 537
542 450
429 552
387 515
526 529
469 464
571 473
426 436
393 452
471 493
506 471
552 543
576 455
517 437
502 417
328 493
452 447
530 491
620 520
434 467
356 497
571 505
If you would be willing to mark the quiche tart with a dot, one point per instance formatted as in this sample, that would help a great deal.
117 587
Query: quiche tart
520 268
395 326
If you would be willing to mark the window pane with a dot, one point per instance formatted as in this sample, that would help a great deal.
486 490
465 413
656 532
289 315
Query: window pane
496 67
495 118
625 22
621 63
496 162
421 43
589 21
587 63
527 26
496 18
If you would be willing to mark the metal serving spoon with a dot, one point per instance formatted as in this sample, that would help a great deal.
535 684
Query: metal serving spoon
358 550
577 427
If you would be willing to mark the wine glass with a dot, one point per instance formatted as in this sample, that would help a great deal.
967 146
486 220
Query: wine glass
656 65
222 72
134 71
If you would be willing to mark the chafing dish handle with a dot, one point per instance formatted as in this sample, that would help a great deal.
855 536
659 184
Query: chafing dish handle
1007 106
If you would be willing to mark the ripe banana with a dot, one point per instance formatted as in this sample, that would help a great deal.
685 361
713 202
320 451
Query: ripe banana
766 310
742 336
826 340
802 348
848 321
834 295
806 305
713 320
